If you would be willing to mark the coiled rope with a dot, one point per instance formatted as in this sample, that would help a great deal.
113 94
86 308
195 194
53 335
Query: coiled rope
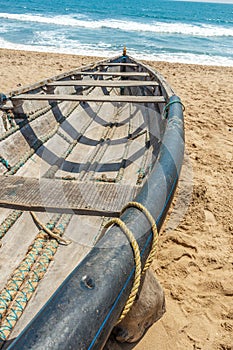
137 259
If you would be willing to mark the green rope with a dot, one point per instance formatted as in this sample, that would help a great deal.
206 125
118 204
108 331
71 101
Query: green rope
20 287
19 275
41 254
165 110
25 122
5 163
9 222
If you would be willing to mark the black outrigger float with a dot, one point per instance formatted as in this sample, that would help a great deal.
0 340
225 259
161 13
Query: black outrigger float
75 150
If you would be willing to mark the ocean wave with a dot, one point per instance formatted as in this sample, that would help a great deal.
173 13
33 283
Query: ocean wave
100 49
199 30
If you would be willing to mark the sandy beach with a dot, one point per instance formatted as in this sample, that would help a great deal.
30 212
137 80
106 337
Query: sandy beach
194 260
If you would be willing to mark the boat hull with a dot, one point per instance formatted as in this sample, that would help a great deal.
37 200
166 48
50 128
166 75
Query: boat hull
84 310
85 307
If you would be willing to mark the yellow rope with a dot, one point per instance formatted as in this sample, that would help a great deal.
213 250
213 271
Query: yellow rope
25 293
137 259
136 251
153 228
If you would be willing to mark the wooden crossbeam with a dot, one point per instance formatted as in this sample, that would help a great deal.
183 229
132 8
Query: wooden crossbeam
120 64
91 198
115 74
104 83
90 98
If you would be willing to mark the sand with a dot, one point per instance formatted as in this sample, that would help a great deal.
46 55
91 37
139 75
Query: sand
194 260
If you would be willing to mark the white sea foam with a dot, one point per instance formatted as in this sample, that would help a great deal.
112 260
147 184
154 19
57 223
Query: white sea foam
154 27
188 58
102 49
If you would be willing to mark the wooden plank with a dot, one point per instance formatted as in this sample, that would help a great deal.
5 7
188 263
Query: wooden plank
91 198
115 74
120 64
104 83
90 98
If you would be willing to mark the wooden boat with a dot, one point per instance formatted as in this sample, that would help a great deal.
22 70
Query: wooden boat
75 149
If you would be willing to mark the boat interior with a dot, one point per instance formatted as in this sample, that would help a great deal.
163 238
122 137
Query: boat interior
74 150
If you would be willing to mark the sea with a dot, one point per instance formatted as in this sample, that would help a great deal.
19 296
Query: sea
158 30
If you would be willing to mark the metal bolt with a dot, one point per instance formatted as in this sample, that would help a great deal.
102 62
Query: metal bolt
87 282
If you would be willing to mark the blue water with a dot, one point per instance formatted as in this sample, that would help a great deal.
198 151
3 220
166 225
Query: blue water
176 31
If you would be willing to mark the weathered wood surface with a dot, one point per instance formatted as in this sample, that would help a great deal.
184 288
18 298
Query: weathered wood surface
79 73
104 83
115 74
112 143
93 198
120 64
90 98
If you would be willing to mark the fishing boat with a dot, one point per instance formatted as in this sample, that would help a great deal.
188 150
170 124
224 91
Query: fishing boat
86 156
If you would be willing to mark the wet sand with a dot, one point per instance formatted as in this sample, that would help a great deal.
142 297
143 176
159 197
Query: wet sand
194 260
